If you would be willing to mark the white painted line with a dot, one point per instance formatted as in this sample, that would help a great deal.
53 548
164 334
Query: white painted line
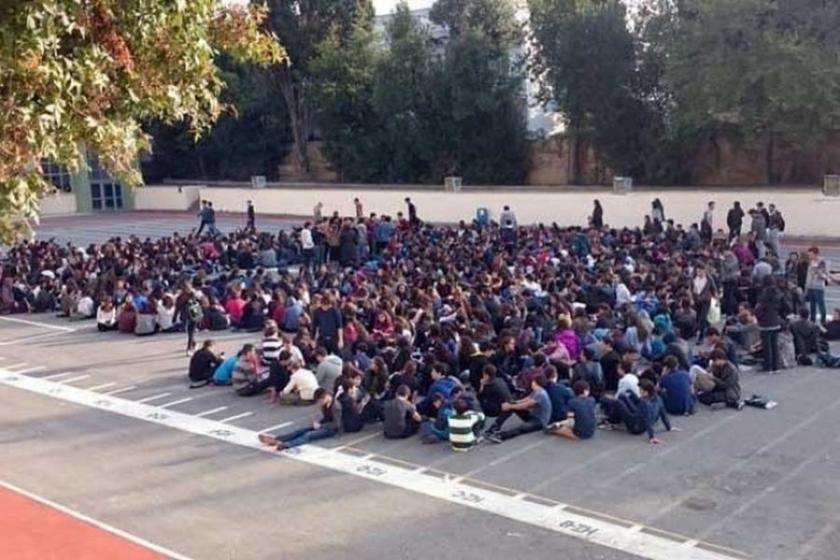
173 403
118 391
99 387
57 376
156 397
98 524
277 427
235 417
17 365
30 338
37 324
31 369
573 523
211 411
74 379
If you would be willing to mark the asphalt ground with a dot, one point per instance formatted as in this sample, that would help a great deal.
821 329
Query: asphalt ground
181 468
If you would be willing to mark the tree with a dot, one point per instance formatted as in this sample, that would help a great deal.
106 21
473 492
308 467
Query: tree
78 73
241 143
755 69
478 92
304 25
585 58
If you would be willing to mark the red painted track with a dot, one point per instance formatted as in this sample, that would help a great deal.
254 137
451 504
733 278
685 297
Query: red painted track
32 531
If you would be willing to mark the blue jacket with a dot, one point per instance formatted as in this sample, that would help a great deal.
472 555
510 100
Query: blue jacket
677 395
223 373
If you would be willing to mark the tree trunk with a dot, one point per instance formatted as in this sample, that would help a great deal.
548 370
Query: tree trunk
770 155
299 120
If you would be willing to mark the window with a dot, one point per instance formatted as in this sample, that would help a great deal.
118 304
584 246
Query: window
57 175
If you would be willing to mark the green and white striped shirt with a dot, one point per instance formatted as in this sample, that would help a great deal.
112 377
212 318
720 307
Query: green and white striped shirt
461 434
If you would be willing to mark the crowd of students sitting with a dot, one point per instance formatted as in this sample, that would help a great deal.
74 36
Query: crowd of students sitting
437 329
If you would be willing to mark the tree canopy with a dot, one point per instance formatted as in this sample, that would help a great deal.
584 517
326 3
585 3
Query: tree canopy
88 72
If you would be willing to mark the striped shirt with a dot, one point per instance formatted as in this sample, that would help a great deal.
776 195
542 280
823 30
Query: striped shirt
270 349
461 430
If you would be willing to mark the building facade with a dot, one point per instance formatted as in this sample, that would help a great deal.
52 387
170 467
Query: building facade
93 189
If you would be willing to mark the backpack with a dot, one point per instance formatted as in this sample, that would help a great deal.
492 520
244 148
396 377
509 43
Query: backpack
194 312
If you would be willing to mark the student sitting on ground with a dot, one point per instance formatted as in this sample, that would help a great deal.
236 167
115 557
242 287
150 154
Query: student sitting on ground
534 411
640 414
300 390
677 388
627 380
224 372
436 428
580 415
271 344
106 315
558 393
464 426
329 368
247 380
494 392
726 384
401 417
203 365
589 369
328 426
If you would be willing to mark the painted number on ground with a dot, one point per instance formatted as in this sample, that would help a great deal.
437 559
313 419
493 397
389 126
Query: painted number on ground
467 497
578 528
371 470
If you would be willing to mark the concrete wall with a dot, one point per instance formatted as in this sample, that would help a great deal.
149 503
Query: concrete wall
807 213
58 204
166 197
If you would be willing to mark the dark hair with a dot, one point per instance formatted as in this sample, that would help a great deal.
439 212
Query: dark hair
461 406
550 372
320 393
580 387
718 354
489 370
540 380
671 362
245 349
403 391
647 386
207 343
321 352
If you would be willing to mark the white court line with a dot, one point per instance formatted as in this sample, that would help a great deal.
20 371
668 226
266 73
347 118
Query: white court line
211 411
118 391
235 417
91 521
17 365
31 369
277 427
30 338
57 376
99 387
156 397
173 403
74 379
38 324
593 529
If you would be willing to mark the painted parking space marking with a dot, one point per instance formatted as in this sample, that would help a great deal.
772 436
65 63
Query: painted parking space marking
38 324
154 398
57 376
118 391
33 369
211 411
559 518
100 387
74 379
173 403
235 417
277 427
